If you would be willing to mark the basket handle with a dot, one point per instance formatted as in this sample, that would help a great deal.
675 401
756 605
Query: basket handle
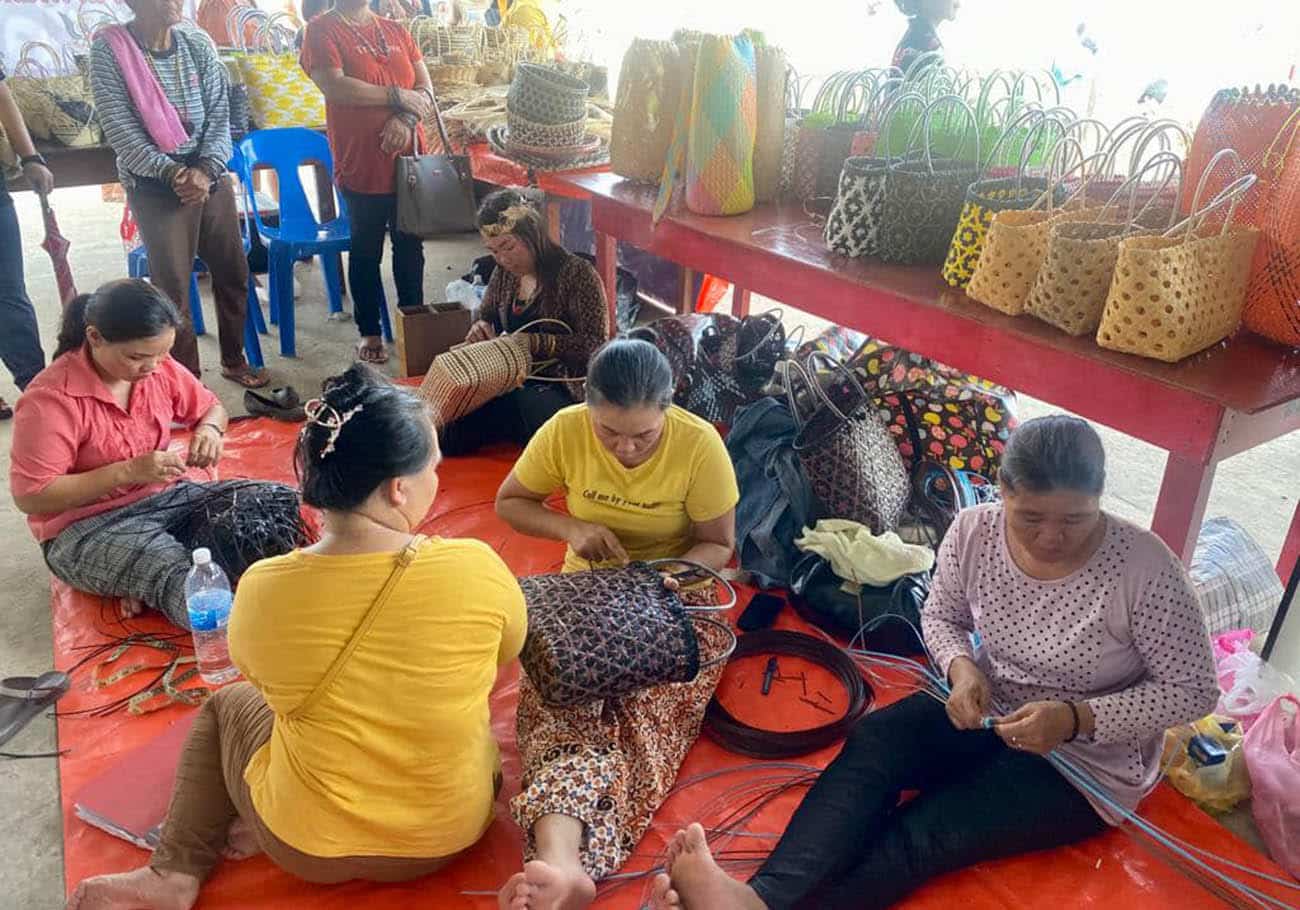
1293 125
28 66
835 366
922 62
775 325
1233 193
731 634
790 370
974 130
546 363
1019 121
982 103
701 572
1157 131
1160 160
1056 178
887 119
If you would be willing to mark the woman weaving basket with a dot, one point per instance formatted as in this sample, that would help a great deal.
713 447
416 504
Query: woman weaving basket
1093 644
535 279
360 747
91 469
643 479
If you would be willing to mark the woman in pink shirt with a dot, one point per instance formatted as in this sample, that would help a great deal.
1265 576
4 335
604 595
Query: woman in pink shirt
1092 644
91 466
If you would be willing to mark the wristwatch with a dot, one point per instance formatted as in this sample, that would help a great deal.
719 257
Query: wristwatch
38 158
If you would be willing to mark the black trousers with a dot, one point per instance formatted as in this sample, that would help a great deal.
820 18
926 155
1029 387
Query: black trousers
372 218
850 845
511 418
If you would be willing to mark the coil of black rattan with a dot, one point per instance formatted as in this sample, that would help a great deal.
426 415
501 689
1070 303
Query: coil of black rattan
736 736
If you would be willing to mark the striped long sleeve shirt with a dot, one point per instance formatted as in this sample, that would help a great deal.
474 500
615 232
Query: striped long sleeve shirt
194 80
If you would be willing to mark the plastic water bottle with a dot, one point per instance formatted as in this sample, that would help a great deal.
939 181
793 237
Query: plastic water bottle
208 599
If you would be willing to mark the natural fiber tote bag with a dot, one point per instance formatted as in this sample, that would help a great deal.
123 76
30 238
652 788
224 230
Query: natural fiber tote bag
56 108
1273 299
923 198
1182 292
724 122
849 457
645 110
769 141
1071 287
280 93
468 376
609 633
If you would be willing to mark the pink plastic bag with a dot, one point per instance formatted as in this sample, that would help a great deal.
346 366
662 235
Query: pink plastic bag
1272 748
1226 643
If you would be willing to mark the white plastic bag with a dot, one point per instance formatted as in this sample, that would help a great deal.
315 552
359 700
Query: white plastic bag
470 296
1249 685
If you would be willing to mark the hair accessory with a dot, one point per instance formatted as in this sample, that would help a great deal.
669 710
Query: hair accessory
321 413
508 220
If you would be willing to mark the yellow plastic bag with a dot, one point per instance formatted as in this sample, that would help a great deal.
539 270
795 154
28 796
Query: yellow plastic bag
1215 788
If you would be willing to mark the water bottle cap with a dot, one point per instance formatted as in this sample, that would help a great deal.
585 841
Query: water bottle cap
202 556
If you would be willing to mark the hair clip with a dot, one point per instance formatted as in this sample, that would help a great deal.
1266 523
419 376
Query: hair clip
508 220
321 413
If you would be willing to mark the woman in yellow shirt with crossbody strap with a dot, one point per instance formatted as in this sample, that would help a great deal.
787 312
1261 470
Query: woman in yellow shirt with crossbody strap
642 480
359 747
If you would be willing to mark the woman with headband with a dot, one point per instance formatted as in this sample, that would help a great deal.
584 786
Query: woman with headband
535 279
359 747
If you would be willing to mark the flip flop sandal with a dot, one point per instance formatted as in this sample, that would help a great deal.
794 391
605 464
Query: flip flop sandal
22 698
248 378
278 404
372 355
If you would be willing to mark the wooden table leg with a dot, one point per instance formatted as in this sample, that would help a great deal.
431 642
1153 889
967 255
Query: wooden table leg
607 266
740 302
1181 505
686 303
1290 547
553 218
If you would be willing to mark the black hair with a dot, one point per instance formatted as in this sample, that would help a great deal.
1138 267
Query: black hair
629 373
1058 452
129 309
531 230
313 8
388 434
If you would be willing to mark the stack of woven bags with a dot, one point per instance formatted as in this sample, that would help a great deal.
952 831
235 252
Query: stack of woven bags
704 110
546 123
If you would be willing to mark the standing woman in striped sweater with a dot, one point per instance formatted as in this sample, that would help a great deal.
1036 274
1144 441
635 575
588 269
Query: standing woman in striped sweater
162 96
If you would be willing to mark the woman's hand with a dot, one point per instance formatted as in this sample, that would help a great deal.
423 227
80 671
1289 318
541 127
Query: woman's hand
192 186
968 702
1038 727
205 446
480 331
595 543
154 467
39 176
415 102
396 137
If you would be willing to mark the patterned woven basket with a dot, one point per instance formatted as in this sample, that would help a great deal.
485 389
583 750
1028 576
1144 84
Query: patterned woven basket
769 141
1182 292
447 74
853 226
545 135
467 377
645 110
720 146
546 95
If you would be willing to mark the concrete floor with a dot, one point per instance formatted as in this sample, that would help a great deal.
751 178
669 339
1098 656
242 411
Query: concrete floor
1257 489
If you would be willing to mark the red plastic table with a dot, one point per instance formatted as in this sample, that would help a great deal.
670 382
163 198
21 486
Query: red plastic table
1201 411
490 167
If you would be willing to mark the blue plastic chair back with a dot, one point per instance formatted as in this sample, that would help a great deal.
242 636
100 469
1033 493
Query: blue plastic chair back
285 151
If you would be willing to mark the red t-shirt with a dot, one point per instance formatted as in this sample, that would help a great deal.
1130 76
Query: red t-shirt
67 422
334 43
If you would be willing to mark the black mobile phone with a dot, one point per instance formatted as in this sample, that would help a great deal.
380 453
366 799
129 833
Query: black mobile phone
761 612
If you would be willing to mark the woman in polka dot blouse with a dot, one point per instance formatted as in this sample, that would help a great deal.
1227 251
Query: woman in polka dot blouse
1092 644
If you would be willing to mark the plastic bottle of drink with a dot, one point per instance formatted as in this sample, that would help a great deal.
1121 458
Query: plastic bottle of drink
208 598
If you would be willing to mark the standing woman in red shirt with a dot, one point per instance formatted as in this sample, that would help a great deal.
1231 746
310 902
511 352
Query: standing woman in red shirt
922 35
377 90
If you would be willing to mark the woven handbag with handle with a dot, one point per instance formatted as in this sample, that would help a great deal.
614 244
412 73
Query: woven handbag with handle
607 633
1273 300
769 139
850 459
724 121
56 108
1071 288
280 93
645 110
1179 293
923 198
468 376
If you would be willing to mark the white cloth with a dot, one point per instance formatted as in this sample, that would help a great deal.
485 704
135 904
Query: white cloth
862 558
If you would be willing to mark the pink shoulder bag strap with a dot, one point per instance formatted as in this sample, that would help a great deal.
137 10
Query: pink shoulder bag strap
404 560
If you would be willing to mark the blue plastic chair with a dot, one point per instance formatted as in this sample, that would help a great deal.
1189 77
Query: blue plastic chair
137 266
298 233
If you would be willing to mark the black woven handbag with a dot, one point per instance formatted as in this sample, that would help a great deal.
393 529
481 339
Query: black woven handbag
851 461
611 632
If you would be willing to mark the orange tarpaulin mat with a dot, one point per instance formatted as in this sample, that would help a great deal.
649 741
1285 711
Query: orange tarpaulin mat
1109 871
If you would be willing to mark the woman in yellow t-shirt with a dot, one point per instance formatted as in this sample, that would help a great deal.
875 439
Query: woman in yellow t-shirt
642 480
359 747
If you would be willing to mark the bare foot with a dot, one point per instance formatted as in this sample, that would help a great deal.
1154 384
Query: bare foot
514 894
241 841
663 896
129 607
555 887
700 883
142 889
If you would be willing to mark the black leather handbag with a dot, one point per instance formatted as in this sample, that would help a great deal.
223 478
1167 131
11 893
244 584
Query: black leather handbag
820 598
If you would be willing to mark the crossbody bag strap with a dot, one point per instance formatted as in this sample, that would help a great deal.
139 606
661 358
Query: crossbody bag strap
404 560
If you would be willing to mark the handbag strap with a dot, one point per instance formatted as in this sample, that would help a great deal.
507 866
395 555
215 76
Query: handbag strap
698 571
1233 194
836 366
404 560
546 363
